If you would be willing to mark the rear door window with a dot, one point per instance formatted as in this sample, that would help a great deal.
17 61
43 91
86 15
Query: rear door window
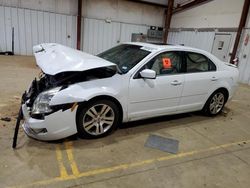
196 62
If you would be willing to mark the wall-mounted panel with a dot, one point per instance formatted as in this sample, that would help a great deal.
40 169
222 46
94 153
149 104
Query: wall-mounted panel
32 27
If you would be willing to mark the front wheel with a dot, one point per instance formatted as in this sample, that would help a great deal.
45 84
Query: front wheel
215 103
97 118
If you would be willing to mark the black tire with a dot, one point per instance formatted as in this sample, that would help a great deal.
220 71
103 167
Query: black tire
209 110
94 130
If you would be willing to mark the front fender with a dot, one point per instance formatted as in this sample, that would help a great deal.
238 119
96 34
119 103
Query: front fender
77 93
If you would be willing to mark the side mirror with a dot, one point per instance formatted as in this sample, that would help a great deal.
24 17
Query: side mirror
148 74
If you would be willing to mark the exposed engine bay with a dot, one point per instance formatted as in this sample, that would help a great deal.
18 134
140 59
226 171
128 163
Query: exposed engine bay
64 79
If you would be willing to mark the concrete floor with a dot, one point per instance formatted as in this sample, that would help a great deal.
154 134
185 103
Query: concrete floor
214 152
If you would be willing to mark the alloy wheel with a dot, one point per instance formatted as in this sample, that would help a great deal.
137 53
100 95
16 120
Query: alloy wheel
98 119
217 103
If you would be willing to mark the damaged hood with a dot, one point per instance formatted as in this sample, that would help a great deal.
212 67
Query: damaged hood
55 58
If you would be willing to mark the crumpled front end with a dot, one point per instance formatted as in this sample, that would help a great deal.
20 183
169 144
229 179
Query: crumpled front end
46 121
56 123
54 126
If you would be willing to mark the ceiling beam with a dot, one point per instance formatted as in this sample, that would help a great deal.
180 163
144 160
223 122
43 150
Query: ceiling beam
147 3
240 28
168 19
79 26
189 5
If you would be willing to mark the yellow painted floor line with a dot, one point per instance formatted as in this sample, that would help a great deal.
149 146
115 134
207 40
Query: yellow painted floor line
129 165
62 169
73 165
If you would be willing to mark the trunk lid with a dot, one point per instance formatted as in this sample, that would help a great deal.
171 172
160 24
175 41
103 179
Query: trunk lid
54 58
230 64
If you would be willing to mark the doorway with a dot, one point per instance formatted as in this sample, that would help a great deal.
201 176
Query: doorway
221 46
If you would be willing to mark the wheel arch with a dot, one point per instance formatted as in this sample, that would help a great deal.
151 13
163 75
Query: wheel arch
107 97
223 89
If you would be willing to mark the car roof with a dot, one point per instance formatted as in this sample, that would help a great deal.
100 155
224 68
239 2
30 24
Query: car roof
162 46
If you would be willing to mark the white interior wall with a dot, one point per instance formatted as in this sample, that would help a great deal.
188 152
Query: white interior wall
109 22
38 21
199 39
214 14
56 6
123 11
32 27
244 54
244 59
99 35
222 14
203 40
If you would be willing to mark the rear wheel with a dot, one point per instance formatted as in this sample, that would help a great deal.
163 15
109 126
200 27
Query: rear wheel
97 119
215 103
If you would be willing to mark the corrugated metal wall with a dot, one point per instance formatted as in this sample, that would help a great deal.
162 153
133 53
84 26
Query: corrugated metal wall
99 35
202 40
33 27
199 39
57 6
128 29
244 58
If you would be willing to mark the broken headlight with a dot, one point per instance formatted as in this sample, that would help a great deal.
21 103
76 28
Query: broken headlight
41 104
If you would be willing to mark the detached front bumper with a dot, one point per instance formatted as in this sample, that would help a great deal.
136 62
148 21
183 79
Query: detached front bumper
55 126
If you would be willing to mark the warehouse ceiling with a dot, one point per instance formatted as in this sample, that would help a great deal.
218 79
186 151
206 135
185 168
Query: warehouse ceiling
165 2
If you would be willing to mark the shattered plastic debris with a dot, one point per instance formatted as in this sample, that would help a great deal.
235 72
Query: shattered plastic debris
6 119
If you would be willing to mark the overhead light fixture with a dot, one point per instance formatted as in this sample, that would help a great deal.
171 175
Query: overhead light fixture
108 20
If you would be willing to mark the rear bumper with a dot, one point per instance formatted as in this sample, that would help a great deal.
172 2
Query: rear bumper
55 126
232 91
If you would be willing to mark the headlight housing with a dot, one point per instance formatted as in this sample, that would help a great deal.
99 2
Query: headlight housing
41 104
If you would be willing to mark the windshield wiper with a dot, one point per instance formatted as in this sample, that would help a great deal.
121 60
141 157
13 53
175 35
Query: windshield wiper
119 70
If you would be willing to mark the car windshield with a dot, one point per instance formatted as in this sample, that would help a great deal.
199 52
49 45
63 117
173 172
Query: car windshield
125 56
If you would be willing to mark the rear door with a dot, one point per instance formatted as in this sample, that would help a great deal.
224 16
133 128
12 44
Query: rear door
200 76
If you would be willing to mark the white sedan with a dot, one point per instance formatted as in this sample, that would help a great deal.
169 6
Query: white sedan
91 95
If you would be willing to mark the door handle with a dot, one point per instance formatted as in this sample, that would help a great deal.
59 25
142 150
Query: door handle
214 78
175 83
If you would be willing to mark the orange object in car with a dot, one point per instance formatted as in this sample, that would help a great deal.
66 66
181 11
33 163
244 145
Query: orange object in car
166 63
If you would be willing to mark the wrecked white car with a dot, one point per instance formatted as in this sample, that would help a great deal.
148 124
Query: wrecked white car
91 95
